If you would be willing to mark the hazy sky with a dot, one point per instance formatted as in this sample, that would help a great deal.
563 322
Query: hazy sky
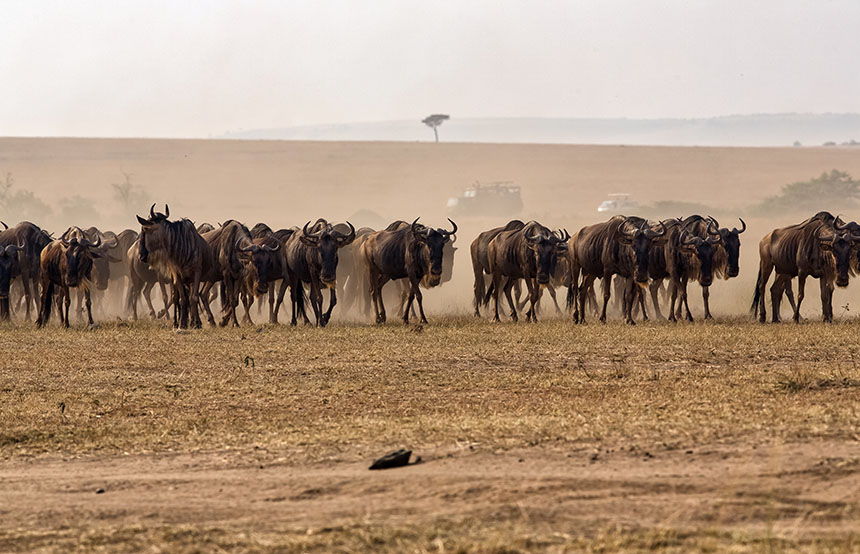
186 68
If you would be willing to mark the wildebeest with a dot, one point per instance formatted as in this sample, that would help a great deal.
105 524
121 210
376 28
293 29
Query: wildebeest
312 258
529 253
818 247
67 263
414 252
690 254
28 265
225 243
481 263
266 261
142 279
120 270
619 246
176 249
352 274
9 268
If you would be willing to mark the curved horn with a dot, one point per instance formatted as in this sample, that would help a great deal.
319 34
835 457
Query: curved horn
166 210
623 227
414 230
743 227
152 212
652 234
268 248
241 248
836 224
345 237
716 223
713 229
454 231
12 249
4 225
686 238
305 230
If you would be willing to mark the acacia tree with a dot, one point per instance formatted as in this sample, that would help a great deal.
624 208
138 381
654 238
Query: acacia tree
433 121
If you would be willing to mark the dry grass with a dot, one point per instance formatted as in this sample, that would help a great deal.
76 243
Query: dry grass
345 393
347 389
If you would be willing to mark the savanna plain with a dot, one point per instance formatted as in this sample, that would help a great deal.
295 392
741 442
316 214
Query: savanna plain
726 435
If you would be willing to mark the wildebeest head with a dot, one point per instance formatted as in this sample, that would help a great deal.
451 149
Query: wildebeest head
640 240
261 262
152 232
326 240
433 246
79 254
732 245
840 244
703 250
546 247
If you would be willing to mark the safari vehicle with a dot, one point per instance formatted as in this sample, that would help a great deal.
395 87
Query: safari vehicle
500 198
617 203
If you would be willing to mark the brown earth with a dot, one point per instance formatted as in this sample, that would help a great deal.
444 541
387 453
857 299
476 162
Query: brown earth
548 437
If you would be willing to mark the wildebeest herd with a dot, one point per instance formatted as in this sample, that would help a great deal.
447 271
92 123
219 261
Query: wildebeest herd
192 266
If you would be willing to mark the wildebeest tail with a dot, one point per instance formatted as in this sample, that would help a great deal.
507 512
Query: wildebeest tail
45 315
570 303
756 294
489 293
480 290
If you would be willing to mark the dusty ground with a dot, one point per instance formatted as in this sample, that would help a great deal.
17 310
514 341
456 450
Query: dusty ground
533 437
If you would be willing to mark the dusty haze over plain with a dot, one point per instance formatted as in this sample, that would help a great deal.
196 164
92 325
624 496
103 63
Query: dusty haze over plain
198 69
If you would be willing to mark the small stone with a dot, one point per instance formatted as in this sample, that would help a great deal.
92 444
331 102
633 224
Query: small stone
100 490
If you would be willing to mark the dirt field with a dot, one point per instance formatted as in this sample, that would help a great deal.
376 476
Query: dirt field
541 437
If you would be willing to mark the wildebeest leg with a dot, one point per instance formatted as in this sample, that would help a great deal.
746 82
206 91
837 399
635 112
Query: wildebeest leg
607 285
68 302
629 293
706 294
587 284
414 291
551 290
654 288
147 296
534 297
25 281
497 291
378 302
801 292
507 288
164 298
640 293
205 299
684 298
89 304
479 287
282 289
332 302
765 268
826 300
776 291
789 294
674 298
592 298
247 302
316 302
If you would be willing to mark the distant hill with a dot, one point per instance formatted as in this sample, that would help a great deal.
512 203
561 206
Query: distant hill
735 130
